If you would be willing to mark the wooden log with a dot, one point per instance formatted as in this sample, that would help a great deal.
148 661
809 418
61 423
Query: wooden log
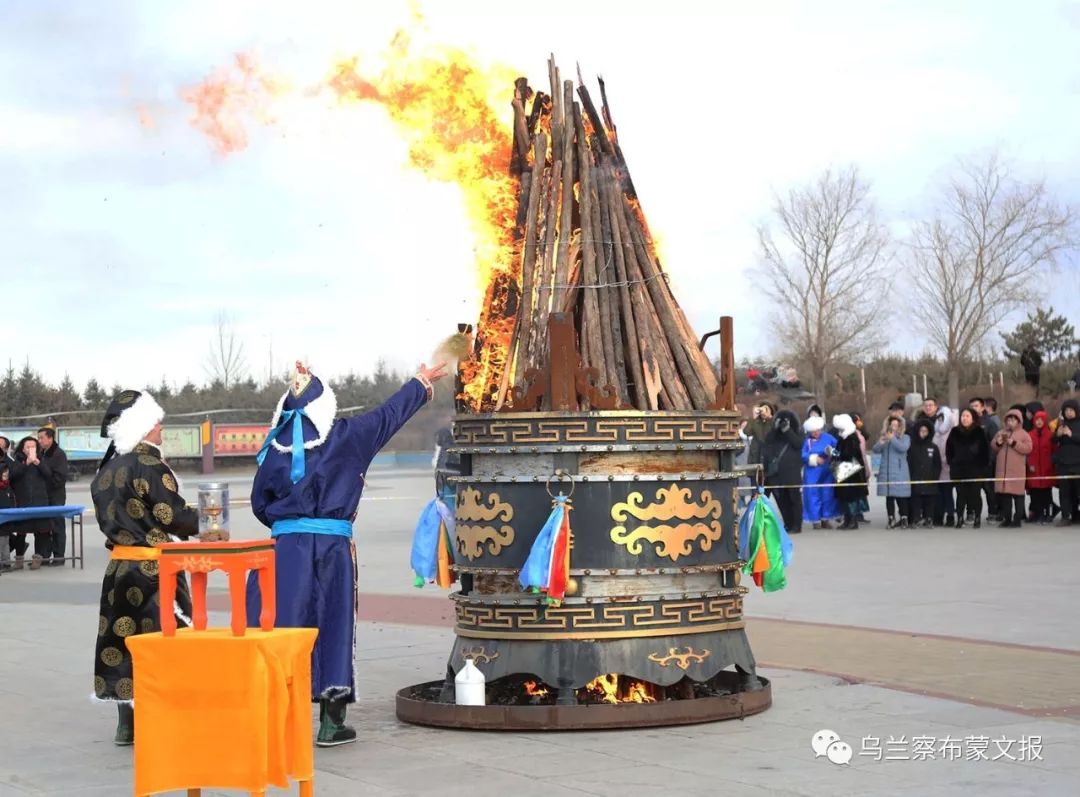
657 356
685 362
527 315
556 121
562 267
540 105
608 274
547 256
519 157
630 330
594 117
624 172
592 316
688 339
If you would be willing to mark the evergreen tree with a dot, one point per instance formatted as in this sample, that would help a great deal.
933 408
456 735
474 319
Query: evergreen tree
1051 335
94 397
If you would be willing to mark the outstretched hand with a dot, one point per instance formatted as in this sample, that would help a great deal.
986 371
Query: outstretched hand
433 374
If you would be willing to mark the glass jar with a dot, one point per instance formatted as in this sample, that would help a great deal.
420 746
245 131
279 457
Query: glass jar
213 507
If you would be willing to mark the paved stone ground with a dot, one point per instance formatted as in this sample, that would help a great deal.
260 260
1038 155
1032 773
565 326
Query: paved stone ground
938 635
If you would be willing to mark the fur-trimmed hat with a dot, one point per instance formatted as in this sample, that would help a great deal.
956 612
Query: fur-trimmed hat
130 417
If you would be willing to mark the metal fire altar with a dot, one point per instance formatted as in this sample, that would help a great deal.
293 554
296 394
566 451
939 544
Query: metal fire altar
651 631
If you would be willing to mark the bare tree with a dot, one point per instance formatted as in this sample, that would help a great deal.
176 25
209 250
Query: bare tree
826 272
225 362
978 258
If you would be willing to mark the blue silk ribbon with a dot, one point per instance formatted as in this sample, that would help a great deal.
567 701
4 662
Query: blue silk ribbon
296 472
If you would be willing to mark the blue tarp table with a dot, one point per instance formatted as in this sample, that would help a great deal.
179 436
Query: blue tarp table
72 512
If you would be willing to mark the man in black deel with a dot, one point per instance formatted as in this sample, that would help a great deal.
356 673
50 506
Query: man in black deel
57 487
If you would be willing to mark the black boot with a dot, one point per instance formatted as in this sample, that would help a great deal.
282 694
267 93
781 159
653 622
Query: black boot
332 728
950 520
125 726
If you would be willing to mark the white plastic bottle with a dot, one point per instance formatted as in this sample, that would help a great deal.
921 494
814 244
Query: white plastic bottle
469 685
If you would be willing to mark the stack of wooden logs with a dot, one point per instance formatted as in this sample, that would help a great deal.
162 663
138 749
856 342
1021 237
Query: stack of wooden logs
584 248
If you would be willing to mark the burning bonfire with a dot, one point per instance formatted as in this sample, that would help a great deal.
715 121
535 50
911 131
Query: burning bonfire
580 245
556 218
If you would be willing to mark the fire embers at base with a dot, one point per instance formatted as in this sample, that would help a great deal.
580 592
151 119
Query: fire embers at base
528 690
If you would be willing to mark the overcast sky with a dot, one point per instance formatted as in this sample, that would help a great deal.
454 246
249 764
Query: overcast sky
123 233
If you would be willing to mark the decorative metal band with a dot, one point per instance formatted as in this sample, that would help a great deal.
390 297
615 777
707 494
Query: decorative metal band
599 621
600 478
525 599
635 634
597 430
614 571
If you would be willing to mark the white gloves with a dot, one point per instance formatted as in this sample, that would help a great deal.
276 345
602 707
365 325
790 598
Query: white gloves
815 460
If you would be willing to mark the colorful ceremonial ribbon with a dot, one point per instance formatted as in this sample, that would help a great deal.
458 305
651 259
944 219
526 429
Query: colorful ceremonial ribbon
431 558
548 567
296 472
764 544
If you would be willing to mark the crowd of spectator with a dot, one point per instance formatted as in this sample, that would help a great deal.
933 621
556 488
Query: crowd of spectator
33 473
939 467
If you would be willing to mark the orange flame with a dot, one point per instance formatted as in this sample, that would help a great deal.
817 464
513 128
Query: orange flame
532 690
222 104
444 105
612 688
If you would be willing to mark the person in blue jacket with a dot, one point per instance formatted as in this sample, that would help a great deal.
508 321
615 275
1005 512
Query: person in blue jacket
819 502
894 475
306 490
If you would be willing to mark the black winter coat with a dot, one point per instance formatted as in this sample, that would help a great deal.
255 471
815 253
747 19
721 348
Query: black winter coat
785 449
31 486
57 461
1067 456
924 461
968 453
848 449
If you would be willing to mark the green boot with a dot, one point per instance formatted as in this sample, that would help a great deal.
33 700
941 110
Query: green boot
332 728
125 727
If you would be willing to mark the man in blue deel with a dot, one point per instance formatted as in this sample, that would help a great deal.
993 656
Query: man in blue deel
306 489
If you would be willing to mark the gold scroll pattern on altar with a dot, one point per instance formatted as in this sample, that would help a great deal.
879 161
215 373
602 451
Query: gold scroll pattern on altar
699 522
481 523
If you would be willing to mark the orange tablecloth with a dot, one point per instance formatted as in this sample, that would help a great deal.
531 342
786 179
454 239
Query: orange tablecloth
217 710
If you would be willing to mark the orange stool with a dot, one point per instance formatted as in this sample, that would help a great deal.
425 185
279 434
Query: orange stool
236 559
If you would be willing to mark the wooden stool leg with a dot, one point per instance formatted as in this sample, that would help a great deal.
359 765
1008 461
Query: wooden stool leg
237 599
198 600
167 597
194 793
267 596
307 788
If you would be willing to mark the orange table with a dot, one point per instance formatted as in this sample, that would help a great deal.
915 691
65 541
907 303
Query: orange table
217 710
199 559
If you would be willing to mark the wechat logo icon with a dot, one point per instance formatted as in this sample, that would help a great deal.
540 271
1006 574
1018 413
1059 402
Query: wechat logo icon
829 744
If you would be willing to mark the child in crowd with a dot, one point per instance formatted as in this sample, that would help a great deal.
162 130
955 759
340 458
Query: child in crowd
924 465
1040 470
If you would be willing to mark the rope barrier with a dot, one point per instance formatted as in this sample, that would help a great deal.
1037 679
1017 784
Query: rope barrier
980 480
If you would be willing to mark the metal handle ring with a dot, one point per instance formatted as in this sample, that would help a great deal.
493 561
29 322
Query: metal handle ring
558 474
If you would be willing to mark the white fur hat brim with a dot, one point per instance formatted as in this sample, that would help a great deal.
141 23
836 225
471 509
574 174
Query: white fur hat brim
135 423
814 424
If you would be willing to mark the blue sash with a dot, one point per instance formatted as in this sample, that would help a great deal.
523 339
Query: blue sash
312 525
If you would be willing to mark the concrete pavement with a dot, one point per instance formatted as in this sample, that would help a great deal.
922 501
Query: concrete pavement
941 639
